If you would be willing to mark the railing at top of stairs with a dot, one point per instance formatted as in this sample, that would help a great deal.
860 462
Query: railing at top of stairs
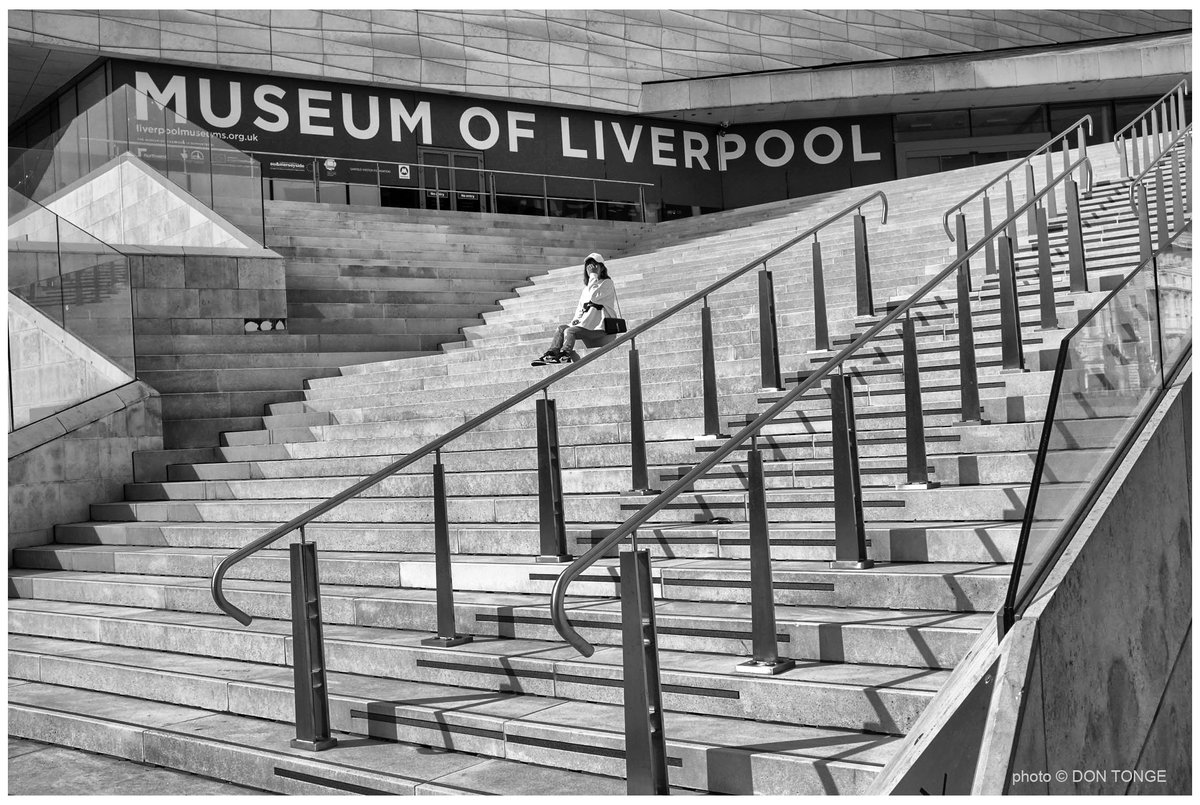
1149 132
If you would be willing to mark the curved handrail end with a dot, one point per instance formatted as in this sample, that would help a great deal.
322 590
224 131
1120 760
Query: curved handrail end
558 616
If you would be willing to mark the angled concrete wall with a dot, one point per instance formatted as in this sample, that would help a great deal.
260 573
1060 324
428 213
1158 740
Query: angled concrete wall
50 369
60 465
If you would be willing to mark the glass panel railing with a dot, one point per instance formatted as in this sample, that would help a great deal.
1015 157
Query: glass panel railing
83 286
1111 369
208 168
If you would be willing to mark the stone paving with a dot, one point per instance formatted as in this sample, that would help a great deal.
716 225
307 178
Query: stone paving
40 769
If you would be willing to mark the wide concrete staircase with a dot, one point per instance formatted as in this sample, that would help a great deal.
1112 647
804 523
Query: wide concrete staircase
363 284
116 645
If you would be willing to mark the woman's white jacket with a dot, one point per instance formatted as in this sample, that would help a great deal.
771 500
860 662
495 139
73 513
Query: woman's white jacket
600 292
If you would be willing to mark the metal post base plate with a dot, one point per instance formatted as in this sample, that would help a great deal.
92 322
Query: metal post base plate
711 437
866 564
765 668
640 493
923 485
447 642
553 560
314 746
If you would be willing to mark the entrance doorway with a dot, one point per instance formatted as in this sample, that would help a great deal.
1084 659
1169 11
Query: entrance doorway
452 180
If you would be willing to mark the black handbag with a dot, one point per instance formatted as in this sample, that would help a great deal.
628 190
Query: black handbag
615 325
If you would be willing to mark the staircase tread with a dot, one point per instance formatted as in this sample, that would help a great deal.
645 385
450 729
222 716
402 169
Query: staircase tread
357 758
487 709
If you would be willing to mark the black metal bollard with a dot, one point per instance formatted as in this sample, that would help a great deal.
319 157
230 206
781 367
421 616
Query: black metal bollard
308 651
645 740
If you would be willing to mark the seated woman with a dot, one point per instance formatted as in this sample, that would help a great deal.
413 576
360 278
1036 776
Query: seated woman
598 301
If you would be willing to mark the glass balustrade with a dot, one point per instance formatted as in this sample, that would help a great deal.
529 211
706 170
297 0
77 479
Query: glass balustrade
1110 370
80 284
215 173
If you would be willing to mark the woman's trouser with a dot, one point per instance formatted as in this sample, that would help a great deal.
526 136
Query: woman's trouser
567 335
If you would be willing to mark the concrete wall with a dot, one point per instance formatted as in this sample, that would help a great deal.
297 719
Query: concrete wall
49 369
127 203
60 465
1111 661
585 57
206 292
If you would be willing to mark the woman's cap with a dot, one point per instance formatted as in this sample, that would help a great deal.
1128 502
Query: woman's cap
594 257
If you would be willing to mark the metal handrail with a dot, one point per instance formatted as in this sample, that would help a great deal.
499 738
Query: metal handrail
1141 177
455 168
435 445
558 614
1027 160
1036 576
1120 135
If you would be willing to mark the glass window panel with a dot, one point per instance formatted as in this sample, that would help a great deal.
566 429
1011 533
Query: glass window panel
1007 120
931 125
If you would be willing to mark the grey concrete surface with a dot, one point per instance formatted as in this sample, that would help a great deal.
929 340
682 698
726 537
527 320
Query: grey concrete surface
38 769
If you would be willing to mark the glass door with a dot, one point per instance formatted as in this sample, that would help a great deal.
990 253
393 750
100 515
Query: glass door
452 180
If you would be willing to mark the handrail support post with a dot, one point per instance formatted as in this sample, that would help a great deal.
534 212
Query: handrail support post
768 336
639 472
766 658
1048 305
850 549
447 630
1076 254
308 652
914 414
552 523
1012 350
967 372
708 379
645 741
820 310
862 267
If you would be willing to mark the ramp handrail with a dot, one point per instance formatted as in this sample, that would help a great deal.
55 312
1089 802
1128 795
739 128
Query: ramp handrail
1170 105
1078 124
1141 177
558 613
307 517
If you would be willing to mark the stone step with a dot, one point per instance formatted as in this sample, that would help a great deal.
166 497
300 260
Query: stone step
913 638
255 752
544 734
833 695
979 542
